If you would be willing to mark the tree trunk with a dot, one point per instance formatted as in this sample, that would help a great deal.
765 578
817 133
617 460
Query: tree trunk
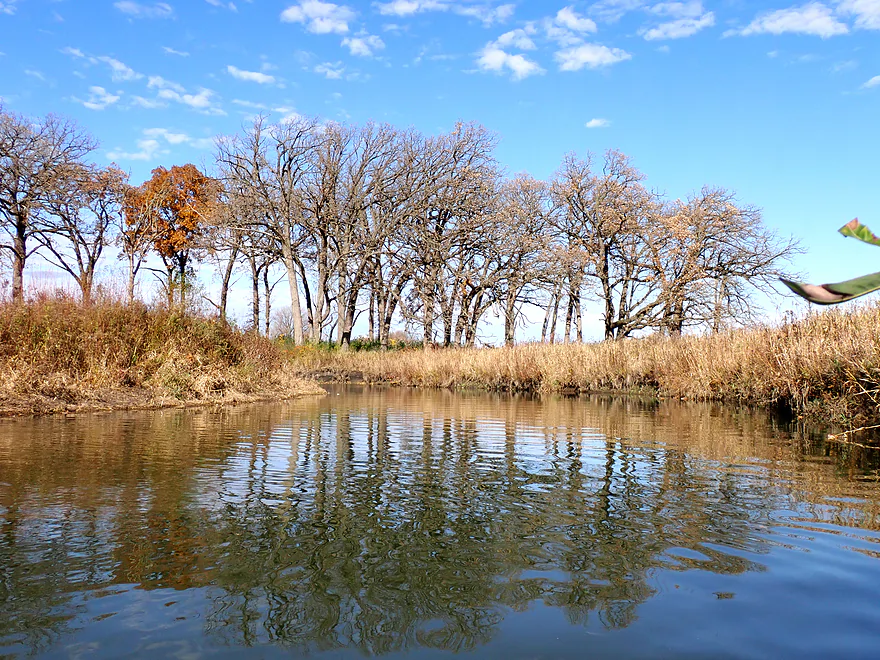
85 286
19 256
255 295
295 309
267 300
132 277
224 285
569 311
553 318
510 319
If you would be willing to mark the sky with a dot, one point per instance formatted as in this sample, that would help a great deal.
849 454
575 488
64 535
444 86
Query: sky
775 101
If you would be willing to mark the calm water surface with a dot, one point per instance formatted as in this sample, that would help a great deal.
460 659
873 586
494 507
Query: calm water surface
392 522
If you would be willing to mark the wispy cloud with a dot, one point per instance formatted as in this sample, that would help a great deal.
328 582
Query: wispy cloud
331 70
495 59
613 10
203 101
33 73
119 72
99 98
680 28
223 5
250 76
813 19
484 12
364 45
73 52
568 18
867 13
156 142
520 38
7 7
591 56
319 17
171 51
137 10
598 123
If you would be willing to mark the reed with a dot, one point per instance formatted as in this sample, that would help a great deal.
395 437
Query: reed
56 354
826 364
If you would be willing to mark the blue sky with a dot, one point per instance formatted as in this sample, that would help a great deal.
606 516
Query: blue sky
776 101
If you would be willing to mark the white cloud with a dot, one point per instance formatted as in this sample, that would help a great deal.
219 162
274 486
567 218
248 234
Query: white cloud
598 123
518 38
364 45
813 19
592 56
873 82
614 10
137 10
251 76
155 142
568 18
158 82
7 7
250 104
33 73
73 52
223 5
319 17
330 70
493 58
171 138
148 149
203 101
119 72
682 27
99 98
410 7
691 9
867 13
170 51
483 12
150 104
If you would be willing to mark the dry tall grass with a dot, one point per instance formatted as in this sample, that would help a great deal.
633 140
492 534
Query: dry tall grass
56 354
828 363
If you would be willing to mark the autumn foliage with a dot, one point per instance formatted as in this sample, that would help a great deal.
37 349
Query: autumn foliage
173 206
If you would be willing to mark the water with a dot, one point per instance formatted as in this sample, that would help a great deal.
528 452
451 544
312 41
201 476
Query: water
393 522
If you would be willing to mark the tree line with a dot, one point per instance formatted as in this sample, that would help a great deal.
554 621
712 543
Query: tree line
388 225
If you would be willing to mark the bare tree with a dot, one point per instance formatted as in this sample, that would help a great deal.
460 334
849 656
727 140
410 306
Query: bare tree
604 217
715 254
36 157
266 165
78 219
525 219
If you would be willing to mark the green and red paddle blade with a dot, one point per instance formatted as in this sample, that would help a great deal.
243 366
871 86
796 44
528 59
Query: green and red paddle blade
830 294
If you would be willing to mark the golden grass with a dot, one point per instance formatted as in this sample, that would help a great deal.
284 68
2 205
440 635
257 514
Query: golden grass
56 354
828 362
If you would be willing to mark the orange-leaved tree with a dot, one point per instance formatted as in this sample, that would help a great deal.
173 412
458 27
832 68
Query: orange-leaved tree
175 204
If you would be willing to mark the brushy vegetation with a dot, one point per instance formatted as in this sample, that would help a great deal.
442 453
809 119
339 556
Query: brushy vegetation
825 365
57 354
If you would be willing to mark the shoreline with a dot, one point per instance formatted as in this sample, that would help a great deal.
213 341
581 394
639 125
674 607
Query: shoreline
113 400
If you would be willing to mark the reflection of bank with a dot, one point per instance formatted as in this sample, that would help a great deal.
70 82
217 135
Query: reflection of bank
385 519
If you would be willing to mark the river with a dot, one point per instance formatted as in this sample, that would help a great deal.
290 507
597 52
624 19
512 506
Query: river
397 522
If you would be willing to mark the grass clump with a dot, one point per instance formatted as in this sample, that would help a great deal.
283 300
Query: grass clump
826 364
57 354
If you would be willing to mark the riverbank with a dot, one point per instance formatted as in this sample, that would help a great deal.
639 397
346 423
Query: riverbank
59 356
824 366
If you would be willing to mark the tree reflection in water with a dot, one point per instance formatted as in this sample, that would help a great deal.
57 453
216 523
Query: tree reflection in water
389 520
